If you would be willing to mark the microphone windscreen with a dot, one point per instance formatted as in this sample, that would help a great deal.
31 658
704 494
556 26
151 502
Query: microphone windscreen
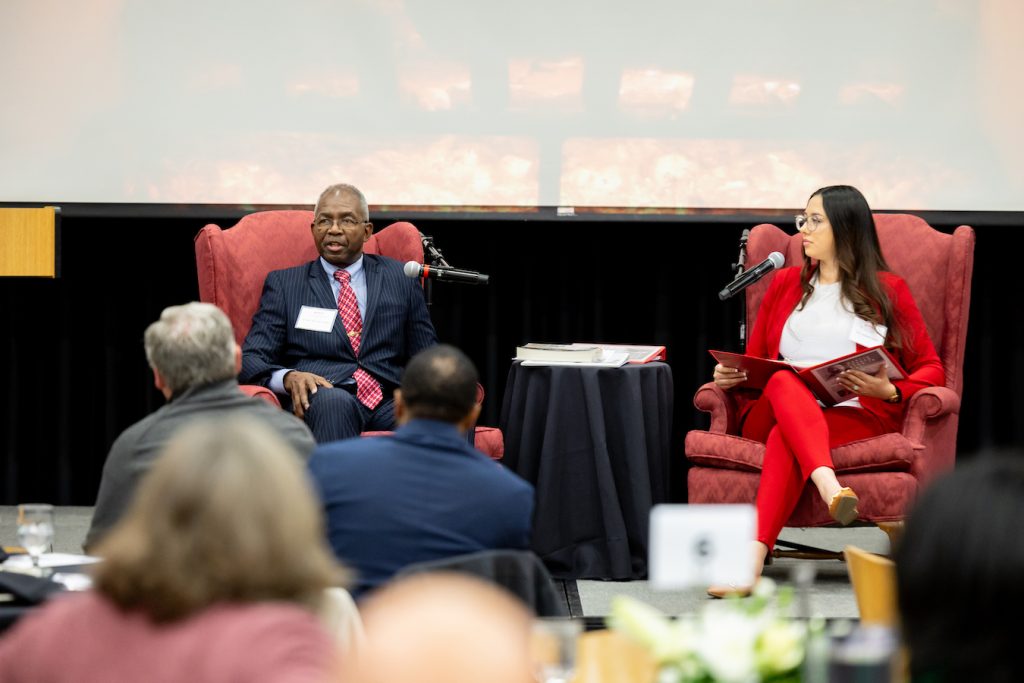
412 269
777 259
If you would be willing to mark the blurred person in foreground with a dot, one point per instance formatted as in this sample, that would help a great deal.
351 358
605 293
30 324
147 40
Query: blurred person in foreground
423 493
192 352
442 628
959 568
216 573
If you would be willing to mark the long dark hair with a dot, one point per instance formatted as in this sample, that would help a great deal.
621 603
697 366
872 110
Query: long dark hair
958 563
858 257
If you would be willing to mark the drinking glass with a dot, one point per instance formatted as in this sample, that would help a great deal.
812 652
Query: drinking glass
35 529
554 642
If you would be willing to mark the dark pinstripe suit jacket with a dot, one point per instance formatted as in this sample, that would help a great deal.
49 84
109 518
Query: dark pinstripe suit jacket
396 326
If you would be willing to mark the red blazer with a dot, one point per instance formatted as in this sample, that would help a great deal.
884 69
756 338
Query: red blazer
917 354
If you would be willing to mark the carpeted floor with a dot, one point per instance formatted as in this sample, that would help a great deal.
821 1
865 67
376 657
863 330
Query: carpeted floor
829 596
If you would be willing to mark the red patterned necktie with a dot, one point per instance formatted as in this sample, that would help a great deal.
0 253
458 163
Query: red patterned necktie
368 390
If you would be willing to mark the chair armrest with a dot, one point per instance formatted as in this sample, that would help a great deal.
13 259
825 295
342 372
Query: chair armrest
927 404
257 391
711 398
490 441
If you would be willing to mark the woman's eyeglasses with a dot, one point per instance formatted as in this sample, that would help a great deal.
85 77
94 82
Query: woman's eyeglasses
810 224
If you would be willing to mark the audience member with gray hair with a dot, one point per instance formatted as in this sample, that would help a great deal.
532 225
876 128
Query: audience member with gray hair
195 359
191 346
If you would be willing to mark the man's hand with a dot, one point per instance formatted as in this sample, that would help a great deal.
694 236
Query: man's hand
300 385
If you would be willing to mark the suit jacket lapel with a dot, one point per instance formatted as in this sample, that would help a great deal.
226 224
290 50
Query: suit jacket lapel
371 268
322 293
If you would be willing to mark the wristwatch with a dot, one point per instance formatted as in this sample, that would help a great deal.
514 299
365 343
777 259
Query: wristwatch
897 395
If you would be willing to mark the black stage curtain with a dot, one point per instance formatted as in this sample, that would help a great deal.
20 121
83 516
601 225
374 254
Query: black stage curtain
76 374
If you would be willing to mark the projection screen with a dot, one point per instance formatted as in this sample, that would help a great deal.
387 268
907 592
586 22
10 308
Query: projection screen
473 103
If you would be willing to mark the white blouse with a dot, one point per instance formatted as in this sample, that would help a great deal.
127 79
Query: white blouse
820 331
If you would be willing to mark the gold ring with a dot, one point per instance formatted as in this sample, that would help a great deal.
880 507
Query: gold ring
856 388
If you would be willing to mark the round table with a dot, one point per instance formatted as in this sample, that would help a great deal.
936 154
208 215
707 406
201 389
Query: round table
595 443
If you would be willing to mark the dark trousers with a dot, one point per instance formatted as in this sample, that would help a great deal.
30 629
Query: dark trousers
334 413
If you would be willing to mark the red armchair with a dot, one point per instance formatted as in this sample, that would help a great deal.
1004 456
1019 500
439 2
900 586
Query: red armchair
886 471
232 265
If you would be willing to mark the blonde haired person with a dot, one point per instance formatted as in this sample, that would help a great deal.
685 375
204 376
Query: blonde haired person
215 573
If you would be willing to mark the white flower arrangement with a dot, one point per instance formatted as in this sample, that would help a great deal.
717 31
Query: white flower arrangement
728 641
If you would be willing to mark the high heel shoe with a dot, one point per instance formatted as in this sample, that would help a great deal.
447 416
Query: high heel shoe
843 506
729 590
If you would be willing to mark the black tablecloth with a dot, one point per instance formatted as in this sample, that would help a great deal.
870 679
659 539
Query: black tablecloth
595 444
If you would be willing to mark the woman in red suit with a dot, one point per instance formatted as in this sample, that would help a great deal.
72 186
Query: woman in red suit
841 300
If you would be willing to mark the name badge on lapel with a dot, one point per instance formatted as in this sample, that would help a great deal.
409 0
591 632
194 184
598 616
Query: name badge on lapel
316 319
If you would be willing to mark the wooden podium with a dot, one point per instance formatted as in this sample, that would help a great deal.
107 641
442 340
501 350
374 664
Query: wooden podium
30 242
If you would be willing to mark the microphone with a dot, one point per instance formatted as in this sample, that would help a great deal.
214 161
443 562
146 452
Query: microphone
749 277
444 274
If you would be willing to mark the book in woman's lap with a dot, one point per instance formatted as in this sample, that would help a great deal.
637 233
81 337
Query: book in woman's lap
821 379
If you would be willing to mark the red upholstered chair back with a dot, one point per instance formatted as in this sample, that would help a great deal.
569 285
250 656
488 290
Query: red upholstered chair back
233 263
936 266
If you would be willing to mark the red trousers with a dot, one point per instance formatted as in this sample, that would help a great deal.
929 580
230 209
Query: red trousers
798 435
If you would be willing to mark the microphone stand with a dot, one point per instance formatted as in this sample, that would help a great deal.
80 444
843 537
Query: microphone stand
436 258
738 268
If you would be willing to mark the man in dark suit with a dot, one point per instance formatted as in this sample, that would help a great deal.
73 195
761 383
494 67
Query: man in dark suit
424 493
332 336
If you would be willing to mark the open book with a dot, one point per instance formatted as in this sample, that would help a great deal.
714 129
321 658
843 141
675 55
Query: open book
821 379
637 354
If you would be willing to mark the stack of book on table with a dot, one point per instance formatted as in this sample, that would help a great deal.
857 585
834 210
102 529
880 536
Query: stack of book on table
602 355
